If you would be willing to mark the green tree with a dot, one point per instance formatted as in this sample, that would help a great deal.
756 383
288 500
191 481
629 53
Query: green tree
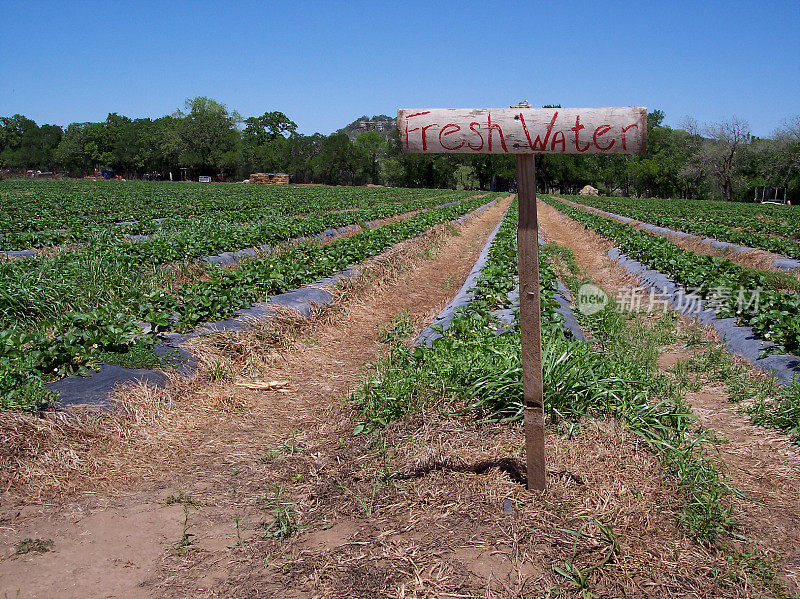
260 130
720 157
373 146
263 143
25 145
107 144
204 135
71 154
782 162
299 154
338 161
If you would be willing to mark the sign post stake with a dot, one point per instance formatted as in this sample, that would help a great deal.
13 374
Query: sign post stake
530 321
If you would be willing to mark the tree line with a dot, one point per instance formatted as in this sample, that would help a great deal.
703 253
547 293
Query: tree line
715 161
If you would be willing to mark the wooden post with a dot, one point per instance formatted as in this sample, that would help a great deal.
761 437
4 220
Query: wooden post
530 321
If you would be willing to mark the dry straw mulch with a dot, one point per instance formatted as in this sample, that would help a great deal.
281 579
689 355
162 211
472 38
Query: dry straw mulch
412 516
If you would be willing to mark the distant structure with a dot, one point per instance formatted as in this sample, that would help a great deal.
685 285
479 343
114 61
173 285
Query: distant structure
381 124
765 195
588 190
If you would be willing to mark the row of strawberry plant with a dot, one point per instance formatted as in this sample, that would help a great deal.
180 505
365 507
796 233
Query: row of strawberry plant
730 286
186 239
780 221
42 206
206 236
783 220
90 277
709 228
52 347
229 290
89 229
217 224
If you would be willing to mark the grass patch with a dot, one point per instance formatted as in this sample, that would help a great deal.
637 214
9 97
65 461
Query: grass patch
284 515
290 446
182 498
401 327
749 567
781 412
184 546
139 354
775 280
576 576
452 230
19 391
33 546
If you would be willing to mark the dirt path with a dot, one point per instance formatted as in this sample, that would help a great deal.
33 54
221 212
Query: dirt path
765 468
112 544
761 463
590 248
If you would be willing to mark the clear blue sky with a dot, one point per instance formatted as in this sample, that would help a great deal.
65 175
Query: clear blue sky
324 64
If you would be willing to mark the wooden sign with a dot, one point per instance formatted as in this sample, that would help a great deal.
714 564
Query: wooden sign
524 130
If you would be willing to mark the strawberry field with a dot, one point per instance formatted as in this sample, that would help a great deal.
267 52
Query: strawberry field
110 292
770 227
778 316
117 264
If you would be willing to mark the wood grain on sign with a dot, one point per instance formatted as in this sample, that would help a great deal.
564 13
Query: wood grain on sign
524 130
